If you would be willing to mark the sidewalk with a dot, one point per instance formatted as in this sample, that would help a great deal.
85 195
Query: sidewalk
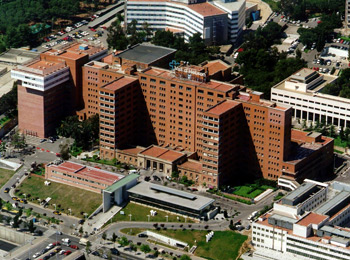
100 219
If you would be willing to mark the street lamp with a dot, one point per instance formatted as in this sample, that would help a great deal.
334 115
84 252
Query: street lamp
70 211
55 206
25 196
167 218
148 217
130 216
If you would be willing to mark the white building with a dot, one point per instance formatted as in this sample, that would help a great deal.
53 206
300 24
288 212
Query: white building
218 22
302 91
309 223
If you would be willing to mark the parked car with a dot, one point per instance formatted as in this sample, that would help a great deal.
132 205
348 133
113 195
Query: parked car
7 190
74 246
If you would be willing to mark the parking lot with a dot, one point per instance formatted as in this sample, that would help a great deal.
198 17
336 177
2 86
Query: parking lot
50 249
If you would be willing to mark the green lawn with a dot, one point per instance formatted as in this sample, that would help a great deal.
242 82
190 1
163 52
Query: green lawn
250 191
224 245
140 212
5 175
339 142
132 231
78 200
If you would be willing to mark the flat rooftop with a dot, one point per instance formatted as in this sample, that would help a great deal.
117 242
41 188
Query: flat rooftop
204 9
298 193
119 83
18 56
326 207
222 107
171 196
233 6
74 51
87 172
169 75
42 67
145 53
124 181
312 218
327 79
162 153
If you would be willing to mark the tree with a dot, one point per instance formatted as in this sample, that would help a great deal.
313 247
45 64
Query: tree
31 226
81 231
87 248
145 248
342 134
347 133
64 151
114 238
175 174
332 131
163 38
104 236
123 241
116 38
16 222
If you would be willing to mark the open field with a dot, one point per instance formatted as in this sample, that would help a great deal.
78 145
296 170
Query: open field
5 175
78 200
140 212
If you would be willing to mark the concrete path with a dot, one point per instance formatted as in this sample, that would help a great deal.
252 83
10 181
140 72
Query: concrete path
96 222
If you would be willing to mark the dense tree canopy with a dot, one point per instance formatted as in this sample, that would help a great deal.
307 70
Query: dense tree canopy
341 87
16 15
195 51
322 32
85 133
8 102
301 9
262 65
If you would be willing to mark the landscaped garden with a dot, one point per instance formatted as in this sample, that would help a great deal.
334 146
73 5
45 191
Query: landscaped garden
250 191
224 245
245 193
64 196
140 213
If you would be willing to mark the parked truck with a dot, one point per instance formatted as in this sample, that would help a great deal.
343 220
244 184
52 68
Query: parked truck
83 241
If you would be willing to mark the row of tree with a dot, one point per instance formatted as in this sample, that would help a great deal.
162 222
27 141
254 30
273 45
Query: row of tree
261 64
194 52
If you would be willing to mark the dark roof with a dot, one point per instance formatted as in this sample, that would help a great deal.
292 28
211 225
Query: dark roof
145 53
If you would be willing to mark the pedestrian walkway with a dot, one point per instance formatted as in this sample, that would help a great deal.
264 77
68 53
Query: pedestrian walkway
96 222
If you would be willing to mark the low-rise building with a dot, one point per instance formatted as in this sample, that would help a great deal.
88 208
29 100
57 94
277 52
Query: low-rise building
173 200
303 92
81 176
311 222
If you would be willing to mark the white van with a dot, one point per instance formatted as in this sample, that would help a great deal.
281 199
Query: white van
133 171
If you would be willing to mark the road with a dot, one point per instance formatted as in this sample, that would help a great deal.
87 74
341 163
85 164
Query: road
38 247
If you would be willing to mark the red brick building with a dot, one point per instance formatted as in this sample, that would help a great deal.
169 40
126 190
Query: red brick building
221 131
51 87
81 176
